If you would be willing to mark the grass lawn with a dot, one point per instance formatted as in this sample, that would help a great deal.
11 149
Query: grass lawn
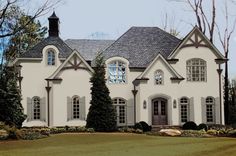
118 144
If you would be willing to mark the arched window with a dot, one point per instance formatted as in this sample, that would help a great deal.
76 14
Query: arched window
210 110
159 77
184 109
51 57
196 70
117 72
36 108
75 107
120 105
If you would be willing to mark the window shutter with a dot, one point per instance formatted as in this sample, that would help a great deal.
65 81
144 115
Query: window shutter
29 109
217 110
43 109
180 123
69 108
203 110
82 107
191 109
130 112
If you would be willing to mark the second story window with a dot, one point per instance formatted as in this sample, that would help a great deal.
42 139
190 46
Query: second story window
159 75
196 70
50 58
116 72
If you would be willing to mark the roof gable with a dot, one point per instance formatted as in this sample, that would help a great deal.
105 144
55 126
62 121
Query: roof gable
159 56
196 39
74 61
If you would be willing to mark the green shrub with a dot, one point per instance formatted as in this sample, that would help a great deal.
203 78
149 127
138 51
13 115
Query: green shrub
193 133
190 125
213 132
90 130
138 126
145 126
202 126
3 134
232 133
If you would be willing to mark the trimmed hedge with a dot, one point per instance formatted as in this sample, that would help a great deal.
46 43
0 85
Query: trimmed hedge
190 125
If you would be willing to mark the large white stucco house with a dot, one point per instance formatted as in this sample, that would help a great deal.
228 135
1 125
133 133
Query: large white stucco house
152 76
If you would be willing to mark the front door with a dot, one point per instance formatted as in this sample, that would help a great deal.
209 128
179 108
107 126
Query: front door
159 111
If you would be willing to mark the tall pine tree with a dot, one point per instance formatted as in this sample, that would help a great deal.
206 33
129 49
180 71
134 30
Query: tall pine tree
102 115
11 110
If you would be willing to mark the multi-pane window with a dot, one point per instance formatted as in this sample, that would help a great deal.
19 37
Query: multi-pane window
209 110
51 57
36 108
159 77
75 105
196 70
117 72
184 109
120 105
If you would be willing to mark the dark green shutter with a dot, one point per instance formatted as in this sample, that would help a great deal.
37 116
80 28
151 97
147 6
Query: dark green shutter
69 109
203 103
130 112
43 109
29 109
191 109
82 110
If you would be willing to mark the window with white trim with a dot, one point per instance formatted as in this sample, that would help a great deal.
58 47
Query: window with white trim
36 108
196 70
117 72
184 109
210 102
75 107
51 57
159 77
120 106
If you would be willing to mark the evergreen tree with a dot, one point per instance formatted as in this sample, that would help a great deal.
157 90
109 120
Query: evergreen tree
11 110
102 115
26 38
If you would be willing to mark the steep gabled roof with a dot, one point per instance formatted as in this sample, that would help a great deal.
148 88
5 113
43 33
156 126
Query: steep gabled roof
74 53
36 51
140 45
195 31
171 69
88 48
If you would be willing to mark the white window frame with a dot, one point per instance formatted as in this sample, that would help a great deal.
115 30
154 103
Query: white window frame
120 70
75 107
120 105
51 57
36 109
196 70
159 77
184 101
210 104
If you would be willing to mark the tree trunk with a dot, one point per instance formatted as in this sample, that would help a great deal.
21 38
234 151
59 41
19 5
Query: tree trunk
226 94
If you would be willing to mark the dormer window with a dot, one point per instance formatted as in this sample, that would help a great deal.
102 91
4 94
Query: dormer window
51 57
116 72
159 76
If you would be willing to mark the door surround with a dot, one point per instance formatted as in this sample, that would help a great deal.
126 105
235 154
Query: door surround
168 106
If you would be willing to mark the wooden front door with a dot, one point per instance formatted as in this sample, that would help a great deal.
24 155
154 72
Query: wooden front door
159 111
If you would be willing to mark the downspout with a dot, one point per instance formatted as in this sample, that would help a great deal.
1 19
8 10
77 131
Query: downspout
48 88
220 94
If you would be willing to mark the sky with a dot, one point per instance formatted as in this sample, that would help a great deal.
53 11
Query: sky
109 19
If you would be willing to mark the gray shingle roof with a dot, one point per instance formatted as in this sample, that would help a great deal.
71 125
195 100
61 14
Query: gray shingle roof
140 45
36 51
88 48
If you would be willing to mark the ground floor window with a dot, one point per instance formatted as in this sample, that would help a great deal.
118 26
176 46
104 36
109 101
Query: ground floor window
184 110
36 108
120 105
210 110
75 104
